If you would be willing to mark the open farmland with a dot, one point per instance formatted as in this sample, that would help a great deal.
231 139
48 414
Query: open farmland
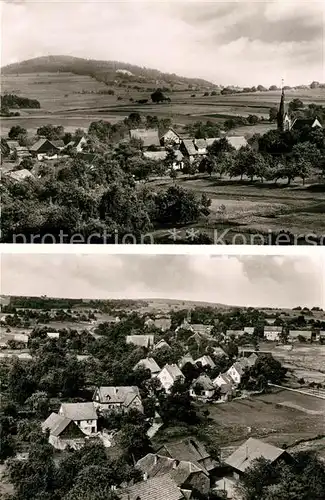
76 100
254 208
280 418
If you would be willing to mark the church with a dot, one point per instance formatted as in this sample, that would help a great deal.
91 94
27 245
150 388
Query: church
287 122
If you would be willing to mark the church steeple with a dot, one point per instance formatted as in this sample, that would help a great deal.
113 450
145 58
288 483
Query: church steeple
281 112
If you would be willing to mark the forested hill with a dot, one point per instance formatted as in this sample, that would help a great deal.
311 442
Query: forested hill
107 71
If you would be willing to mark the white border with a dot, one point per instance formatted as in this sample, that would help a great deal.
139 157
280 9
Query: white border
77 249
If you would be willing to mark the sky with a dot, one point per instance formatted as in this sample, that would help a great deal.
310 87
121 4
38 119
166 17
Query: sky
257 281
235 43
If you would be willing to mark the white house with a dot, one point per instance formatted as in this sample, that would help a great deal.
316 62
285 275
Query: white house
141 340
117 398
168 376
202 387
170 138
148 364
237 369
53 335
272 333
205 361
84 415
223 379
249 330
162 344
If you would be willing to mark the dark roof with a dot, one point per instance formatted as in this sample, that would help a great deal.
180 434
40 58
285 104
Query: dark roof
189 450
35 147
249 451
79 411
304 122
157 488
55 424
123 395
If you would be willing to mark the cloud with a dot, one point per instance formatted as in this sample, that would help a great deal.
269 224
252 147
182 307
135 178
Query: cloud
247 281
226 42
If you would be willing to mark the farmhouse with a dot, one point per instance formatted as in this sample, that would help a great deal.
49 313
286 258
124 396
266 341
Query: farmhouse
305 335
192 450
149 137
44 148
272 333
121 399
84 415
249 451
63 432
237 369
148 364
146 341
186 475
168 376
202 388
78 144
205 361
170 138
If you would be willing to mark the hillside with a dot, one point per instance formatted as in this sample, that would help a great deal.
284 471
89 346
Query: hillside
105 71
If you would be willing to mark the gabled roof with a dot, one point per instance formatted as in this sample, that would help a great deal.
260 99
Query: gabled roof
157 488
189 450
235 333
123 395
155 155
206 360
303 333
189 147
272 328
55 424
249 330
59 143
20 175
183 471
205 382
249 451
149 137
79 411
12 144
201 329
225 378
306 122
162 343
149 364
173 371
35 147
218 351
140 340
186 359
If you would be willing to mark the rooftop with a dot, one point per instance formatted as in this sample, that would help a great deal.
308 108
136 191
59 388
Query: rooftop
249 451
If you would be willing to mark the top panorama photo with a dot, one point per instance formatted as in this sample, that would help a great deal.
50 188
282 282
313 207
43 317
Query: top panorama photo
222 143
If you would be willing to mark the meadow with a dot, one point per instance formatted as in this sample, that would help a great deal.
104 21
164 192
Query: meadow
74 101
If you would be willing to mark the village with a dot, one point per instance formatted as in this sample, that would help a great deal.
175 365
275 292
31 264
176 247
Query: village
179 369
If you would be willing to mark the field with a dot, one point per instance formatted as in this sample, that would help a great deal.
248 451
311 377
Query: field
253 208
75 101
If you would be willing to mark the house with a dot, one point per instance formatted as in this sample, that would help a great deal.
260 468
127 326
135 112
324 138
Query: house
228 487
84 415
146 341
162 344
186 475
191 450
236 371
13 145
242 458
205 361
120 399
157 488
170 138
77 144
45 149
252 358
218 351
186 359
168 376
63 432
322 337
234 333
162 155
200 146
188 149
163 324
53 335
23 152
223 379
148 364
272 333
21 337
20 175
249 330
202 388
149 137
295 334
203 330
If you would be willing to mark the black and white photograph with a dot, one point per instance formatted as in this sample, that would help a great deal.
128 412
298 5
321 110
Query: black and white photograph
162 122
155 377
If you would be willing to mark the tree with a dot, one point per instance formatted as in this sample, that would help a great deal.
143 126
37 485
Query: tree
134 441
157 96
51 132
176 205
273 114
295 105
39 403
16 131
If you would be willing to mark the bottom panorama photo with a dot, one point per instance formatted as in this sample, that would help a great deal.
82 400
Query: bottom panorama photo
162 377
